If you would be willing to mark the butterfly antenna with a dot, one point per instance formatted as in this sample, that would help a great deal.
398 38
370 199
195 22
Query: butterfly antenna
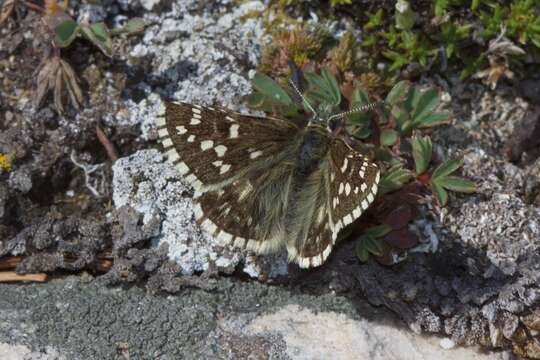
304 100
357 109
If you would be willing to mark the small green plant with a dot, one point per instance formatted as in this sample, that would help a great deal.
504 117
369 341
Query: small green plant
55 74
406 112
370 242
451 36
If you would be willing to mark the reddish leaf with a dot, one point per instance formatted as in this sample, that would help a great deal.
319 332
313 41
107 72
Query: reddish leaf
401 239
400 216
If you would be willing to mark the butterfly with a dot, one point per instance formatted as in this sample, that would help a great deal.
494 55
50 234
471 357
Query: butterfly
265 183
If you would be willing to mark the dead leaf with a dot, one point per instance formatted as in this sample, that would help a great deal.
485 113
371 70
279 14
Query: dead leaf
6 10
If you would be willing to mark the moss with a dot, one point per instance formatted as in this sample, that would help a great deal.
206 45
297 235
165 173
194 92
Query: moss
344 55
460 28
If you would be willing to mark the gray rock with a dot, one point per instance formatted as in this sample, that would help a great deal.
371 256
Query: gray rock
91 13
153 187
20 179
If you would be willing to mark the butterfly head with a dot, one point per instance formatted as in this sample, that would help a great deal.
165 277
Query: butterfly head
328 117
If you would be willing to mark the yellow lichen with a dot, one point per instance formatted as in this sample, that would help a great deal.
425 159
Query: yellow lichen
5 162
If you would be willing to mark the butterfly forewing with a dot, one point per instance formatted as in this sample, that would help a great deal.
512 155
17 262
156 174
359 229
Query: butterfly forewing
213 147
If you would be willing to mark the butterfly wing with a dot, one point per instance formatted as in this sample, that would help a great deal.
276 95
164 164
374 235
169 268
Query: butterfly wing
239 168
213 148
354 183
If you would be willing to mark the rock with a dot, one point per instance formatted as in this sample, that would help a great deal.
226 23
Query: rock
21 180
201 55
153 187
503 225
303 334
91 13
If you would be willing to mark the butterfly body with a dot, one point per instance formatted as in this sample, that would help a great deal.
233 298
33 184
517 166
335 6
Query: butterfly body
266 184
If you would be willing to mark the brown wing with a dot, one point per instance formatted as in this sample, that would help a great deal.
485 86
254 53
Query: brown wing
238 166
212 148
353 185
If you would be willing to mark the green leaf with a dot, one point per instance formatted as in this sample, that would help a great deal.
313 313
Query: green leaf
65 33
368 245
268 96
269 88
447 167
454 183
422 153
427 102
361 250
132 26
398 93
440 193
411 103
324 88
360 131
379 230
98 34
359 98
404 18
433 119
333 85
394 179
388 137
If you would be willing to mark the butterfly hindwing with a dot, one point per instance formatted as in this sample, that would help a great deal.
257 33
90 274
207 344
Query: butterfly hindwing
353 185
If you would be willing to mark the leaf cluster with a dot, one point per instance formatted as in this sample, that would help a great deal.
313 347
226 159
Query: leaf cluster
55 74
395 137
450 36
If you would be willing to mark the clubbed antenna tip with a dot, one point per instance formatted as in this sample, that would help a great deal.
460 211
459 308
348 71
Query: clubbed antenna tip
366 107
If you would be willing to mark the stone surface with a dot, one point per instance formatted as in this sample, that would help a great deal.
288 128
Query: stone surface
145 182
64 319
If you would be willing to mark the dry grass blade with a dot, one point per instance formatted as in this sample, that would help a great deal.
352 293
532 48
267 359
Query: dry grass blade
6 10
12 276
46 79
72 85
57 75
58 92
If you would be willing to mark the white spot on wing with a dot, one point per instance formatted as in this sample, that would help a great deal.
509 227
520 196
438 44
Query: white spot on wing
182 168
255 154
195 121
233 131
180 130
163 133
196 110
207 144
345 163
209 226
167 143
160 121
172 155
347 189
223 169
220 150
191 138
